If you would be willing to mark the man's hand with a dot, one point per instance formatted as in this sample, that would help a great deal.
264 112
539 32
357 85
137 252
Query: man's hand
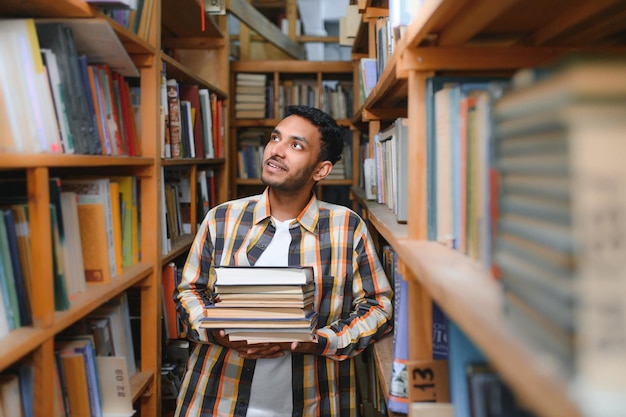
249 351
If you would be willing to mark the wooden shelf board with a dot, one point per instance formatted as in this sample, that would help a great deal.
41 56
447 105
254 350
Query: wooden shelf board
139 383
383 358
382 218
473 299
327 182
179 246
175 69
22 341
190 161
22 161
531 22
291 66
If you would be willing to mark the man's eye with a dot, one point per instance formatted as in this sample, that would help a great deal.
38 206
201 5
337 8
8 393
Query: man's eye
297 145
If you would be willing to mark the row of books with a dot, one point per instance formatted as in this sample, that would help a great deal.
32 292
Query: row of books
264 304
95 225
400 382
458 141
477 389
177 202
558 141
192 121
387 173
134 15
94 360
254 96
59 95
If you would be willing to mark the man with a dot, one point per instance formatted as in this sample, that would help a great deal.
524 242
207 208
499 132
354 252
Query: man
286 225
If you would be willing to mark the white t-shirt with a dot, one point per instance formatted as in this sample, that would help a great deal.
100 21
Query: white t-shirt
270 393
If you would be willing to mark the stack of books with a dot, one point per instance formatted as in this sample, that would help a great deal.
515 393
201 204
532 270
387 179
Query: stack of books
250 96
560 213
264 304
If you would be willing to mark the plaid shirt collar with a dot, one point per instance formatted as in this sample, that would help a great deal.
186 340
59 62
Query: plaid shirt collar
307 218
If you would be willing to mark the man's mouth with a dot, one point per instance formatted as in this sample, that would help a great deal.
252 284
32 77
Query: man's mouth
273 164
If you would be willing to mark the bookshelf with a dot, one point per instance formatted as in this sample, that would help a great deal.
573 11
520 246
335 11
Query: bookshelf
469 38
175 25
288 75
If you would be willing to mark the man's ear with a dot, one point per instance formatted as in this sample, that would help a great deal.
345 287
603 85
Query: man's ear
322 170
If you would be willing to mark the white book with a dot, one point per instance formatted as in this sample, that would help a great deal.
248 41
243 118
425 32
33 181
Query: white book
74 253
54 79
207 122
26 90
263 275
166 242
114 381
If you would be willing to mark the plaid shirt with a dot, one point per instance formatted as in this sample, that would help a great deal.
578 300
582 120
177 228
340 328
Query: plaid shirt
352 297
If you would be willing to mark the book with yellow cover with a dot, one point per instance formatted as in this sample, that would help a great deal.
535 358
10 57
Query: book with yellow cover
93 239
76 381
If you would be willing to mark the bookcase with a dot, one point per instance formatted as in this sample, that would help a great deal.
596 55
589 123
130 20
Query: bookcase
196 55
487 38
325 85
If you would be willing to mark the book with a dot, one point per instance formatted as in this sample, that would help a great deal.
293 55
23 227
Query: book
259 323
10 395
258 313
30 105
489 395
7 280
74 261
60 105
24 304
130 218
273 291
174 117
462 352
100 329
96 221
270 336
191 93
234 300
82 345
59 38
168 283
117 312
207 122
61 400
75 379
116 221
251 275
114 383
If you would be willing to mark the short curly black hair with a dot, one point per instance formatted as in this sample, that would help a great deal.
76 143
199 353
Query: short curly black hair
332 134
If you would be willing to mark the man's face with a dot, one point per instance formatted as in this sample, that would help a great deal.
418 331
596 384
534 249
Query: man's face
291 156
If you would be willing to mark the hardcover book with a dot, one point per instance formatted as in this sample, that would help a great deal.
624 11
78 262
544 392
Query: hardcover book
252 275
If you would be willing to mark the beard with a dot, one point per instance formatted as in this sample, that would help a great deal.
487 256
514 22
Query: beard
290 183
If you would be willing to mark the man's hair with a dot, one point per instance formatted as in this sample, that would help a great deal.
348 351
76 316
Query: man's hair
332 134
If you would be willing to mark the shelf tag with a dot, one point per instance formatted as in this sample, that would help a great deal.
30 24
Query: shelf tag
428 381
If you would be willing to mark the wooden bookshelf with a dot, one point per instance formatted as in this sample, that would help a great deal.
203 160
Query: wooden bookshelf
479 37
277 71
170 22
